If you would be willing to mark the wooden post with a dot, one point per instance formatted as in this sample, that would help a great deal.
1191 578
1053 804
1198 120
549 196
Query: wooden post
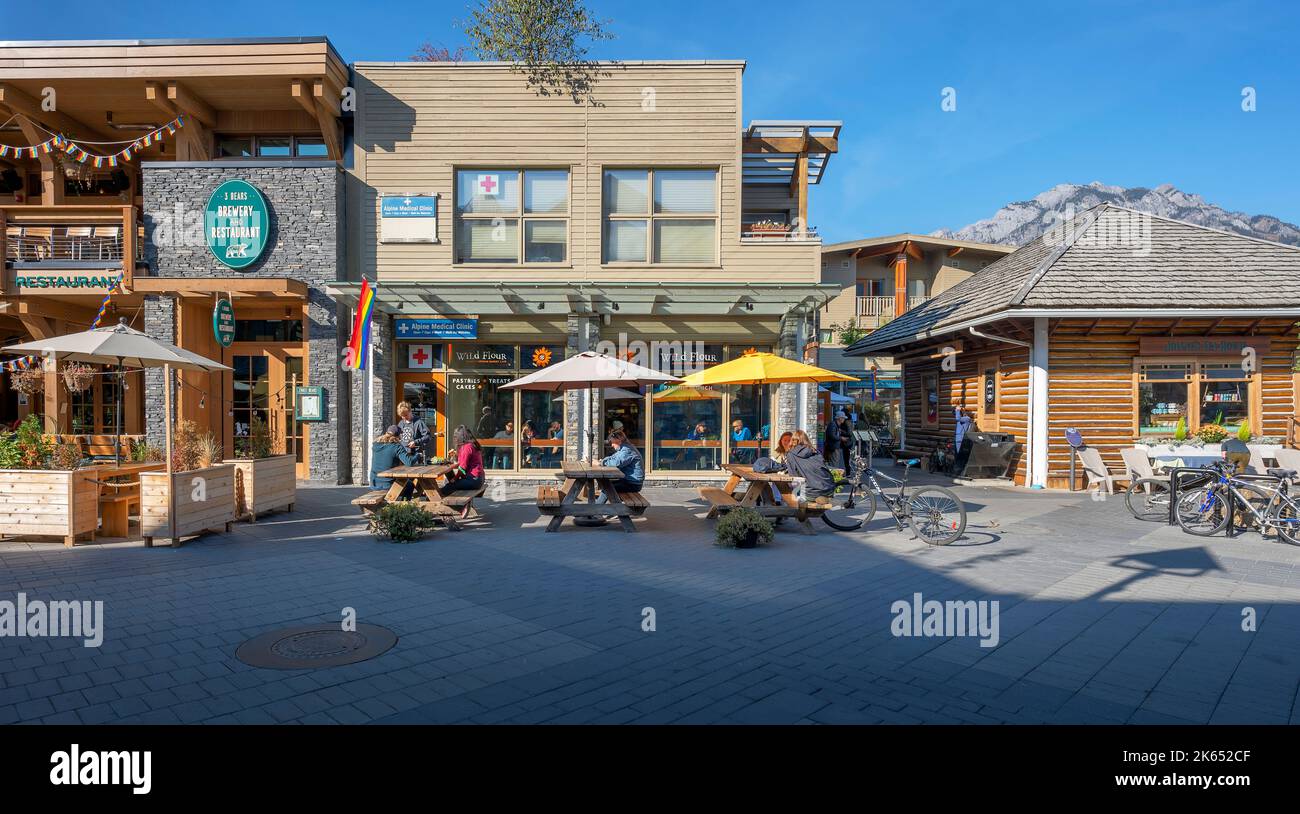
4 281
900 284
128 244
167 410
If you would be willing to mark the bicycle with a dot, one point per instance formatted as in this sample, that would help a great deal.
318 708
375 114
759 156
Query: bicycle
1148 498
1207 510
935 514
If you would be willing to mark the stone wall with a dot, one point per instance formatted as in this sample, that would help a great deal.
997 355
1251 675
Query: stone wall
305 203
385 406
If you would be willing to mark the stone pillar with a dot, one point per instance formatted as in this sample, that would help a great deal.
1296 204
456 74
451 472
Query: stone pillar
326 437
583 332
159 323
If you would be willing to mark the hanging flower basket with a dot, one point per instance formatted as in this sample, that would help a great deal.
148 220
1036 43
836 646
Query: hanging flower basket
29 382
78 376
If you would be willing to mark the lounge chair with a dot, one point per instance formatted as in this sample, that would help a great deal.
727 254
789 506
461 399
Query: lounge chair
1098 474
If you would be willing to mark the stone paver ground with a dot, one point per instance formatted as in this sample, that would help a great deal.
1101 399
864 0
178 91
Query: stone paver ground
1103 619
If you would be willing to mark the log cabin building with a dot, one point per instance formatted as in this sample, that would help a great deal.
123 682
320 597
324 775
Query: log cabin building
159 125
1117 323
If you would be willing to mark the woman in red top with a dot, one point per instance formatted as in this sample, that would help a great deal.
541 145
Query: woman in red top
469 462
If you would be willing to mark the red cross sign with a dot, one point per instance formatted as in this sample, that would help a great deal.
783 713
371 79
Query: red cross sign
489 184
419 356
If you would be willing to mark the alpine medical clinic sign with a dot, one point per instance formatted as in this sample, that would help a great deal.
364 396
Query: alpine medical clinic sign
408 218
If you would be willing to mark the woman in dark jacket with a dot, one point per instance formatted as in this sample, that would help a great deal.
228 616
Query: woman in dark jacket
386 454
802 461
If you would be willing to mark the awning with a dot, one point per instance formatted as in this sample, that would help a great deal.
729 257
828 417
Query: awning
491 298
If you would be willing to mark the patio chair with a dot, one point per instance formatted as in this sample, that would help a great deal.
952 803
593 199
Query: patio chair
108 241
1137 463
1289 459
1098 474
1256 465
77 238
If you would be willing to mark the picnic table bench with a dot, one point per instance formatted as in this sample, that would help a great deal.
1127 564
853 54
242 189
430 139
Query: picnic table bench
758 495
119 498
581 479
423 483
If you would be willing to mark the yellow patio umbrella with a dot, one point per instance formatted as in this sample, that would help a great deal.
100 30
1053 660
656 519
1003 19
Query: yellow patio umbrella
763 368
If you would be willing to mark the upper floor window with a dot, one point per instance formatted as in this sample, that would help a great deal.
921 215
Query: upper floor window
271 147
505 215
661 216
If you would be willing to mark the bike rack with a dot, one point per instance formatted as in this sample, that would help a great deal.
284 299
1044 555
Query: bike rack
1231 530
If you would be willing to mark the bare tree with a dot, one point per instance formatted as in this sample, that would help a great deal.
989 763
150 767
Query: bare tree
428 52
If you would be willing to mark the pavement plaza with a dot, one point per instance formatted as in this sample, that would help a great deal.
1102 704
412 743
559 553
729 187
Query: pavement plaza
1103 619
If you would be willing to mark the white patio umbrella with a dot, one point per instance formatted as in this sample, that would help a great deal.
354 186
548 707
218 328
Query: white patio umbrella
590 371
123 346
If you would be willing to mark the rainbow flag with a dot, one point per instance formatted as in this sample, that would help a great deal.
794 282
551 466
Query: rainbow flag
361 326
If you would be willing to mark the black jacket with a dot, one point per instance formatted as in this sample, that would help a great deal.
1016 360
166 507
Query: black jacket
804 462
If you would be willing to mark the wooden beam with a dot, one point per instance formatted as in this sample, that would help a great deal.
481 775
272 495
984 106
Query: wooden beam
956 250
900 284
877 251
53 184
914 250
219 285
754 145
192 105
17 101
196 137
314 99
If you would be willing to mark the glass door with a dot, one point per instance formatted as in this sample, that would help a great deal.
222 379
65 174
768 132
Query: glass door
425 393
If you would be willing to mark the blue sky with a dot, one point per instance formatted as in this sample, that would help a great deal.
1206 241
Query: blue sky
1134 94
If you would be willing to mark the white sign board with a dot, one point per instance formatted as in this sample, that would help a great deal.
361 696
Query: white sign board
488 185
408 218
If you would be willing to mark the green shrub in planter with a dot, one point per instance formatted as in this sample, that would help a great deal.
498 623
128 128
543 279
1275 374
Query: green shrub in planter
402 522
743 528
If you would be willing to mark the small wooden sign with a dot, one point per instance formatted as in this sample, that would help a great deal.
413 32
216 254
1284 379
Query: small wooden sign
1202 345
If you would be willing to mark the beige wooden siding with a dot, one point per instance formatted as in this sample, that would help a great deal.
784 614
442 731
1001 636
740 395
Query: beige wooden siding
418 123
170 61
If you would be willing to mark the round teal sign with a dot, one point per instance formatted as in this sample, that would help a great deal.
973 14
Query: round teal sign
237 224
223 323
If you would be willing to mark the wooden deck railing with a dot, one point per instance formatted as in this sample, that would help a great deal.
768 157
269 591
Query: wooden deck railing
81 238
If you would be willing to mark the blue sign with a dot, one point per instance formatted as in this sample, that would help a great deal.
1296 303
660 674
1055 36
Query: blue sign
436 328
408 206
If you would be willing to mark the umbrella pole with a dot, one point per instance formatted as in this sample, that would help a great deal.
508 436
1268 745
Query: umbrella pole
117 437
167 410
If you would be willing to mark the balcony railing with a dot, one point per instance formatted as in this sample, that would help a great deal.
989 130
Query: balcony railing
38 240
876 311
777 233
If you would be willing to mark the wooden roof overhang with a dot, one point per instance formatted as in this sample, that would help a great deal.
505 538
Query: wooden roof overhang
115 91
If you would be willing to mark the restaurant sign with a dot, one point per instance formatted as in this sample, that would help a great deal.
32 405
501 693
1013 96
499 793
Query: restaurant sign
223 323
70 283
236 224
436 328
484 355
1202 345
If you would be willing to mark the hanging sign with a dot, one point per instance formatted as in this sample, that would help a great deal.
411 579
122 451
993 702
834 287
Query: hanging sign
236 224
223 323
1201 345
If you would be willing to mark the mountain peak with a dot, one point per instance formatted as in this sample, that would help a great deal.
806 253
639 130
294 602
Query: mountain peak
1018 223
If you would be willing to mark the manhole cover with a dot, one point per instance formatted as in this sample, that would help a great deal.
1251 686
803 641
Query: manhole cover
313 646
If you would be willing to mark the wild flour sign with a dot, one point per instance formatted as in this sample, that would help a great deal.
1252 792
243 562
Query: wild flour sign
236 224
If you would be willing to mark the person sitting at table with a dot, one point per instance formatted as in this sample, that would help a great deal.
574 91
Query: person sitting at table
701 458
468 474
739 432
779 452
388 453
628 461
529 455
555 433
501 455
803 461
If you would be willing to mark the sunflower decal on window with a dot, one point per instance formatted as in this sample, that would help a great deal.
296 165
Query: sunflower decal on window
541 357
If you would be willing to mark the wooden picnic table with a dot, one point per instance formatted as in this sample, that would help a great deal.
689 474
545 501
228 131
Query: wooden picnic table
758 495
423 483
580 479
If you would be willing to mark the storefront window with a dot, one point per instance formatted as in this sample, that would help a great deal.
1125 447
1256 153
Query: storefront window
1225 395
108 401
1162 398
268 330
541 432
293 431
687 427
81 411
478 402
624 410
251 386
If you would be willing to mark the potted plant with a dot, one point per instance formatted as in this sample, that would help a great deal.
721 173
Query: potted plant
200 488
29 382
43 489
402 522
77 376
1212 433
743 527
769 228
263 480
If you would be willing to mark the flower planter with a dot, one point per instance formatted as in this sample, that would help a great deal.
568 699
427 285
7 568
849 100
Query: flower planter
45 503
263 484
204 501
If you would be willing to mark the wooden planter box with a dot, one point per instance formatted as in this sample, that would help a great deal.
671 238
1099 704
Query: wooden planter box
215 512
263 484
45 503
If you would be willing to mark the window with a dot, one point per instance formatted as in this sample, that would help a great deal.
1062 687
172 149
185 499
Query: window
661 216
930 399
512 216
1199 393
268 330
1162 398
271 147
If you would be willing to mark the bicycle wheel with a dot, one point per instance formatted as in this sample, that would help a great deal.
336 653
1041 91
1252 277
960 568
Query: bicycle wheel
1288 513
936 515
1203 512
1148 499
852 518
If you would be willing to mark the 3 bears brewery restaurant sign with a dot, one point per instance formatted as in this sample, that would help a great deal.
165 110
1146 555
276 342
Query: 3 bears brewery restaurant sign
236 224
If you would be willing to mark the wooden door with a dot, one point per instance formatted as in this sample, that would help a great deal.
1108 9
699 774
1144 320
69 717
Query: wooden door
262 386
990 395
